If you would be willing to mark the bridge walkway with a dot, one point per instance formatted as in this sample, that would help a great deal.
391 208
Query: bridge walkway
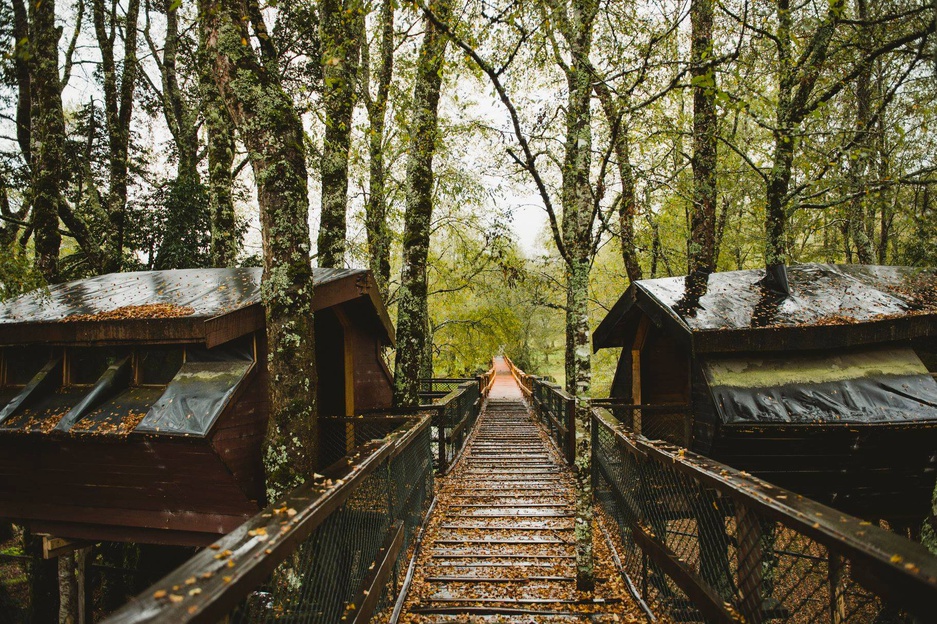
500 543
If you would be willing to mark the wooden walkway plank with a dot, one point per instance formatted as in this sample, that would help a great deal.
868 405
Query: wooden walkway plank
500 534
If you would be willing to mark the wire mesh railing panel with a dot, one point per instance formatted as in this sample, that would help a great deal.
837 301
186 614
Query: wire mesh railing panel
670 423
456 415
705 542
556 411
329 551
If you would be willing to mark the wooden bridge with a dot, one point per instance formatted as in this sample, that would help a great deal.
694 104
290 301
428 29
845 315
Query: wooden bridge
465 512
500 539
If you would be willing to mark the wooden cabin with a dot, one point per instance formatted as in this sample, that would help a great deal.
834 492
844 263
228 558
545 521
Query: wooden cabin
821 383
133 406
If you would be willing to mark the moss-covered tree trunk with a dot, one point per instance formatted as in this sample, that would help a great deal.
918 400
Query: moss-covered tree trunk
47 136
118 110
702 245
376 208
858 220
340 31
578 220
225 242
412 304
272 131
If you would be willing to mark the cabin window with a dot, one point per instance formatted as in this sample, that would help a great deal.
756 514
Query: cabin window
157 366
20 364
86 365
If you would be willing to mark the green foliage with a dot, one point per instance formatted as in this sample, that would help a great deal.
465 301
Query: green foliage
17 273
176 225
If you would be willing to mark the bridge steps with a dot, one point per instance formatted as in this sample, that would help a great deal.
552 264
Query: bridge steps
500 546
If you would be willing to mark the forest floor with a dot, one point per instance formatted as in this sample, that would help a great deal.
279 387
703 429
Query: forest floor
499 546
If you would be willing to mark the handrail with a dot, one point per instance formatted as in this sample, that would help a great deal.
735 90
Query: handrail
210 584
553 406
456 413
672 506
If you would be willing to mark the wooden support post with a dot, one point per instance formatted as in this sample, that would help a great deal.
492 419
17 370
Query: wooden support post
53 547
750 560
639 338
838 578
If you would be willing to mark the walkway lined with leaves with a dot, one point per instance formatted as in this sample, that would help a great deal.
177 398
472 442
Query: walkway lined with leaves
500 545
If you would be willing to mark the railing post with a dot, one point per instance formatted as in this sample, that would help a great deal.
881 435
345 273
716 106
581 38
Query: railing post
838 579
441 429
571 431
750 570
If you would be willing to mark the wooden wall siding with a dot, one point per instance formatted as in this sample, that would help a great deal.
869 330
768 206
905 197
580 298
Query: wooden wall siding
374 387
145 482
238 434
664 370
865 470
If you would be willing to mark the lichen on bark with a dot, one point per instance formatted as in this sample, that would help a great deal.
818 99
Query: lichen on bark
412 305
47 136
341 29
270 128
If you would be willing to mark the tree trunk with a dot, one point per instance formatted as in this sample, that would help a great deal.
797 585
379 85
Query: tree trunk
376 208
701 251
627 202
180 115
225 242
70 597
47 136
796 81
340 31
273 134
578 243
860 154
118 107
21 70
412 303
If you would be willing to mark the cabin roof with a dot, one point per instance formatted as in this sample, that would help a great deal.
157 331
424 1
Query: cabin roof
210 305
829 306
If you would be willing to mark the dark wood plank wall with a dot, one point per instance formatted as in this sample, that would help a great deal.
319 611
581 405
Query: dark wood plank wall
153 482
374 388
238 435
872 471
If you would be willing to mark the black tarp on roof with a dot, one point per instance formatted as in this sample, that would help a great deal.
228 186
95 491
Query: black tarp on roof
855 386
209 292
821 295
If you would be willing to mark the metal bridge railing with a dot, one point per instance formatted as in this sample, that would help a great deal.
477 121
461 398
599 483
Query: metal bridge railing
668 422
456 414
329 551
435 388
702 541
557 411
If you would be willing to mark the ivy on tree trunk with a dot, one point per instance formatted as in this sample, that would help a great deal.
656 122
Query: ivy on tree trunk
412 305
272 131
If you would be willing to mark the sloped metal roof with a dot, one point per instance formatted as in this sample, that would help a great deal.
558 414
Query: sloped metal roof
208 292
822 295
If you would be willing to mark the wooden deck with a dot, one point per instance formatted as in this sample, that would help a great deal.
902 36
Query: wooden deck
499 545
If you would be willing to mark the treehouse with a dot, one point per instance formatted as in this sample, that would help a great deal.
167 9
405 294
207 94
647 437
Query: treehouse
133 405
817 378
